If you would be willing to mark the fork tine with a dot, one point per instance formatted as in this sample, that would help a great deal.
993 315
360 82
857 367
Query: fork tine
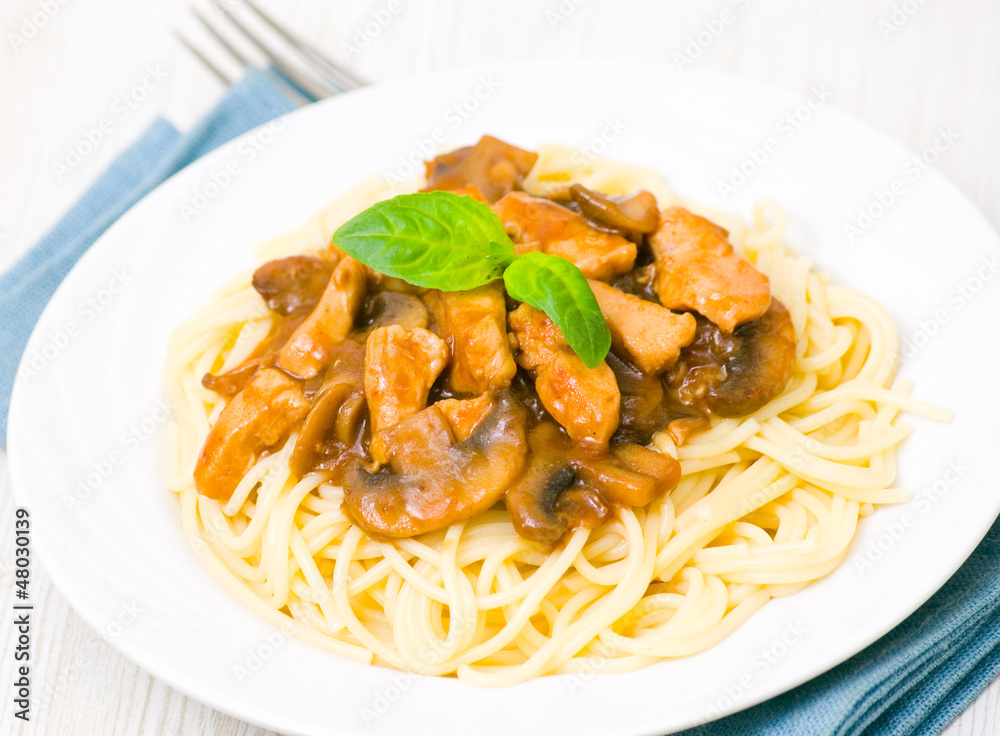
307 84
292 93
233 51
218 73
341 77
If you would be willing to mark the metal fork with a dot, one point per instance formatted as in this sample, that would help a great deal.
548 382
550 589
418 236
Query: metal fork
314 77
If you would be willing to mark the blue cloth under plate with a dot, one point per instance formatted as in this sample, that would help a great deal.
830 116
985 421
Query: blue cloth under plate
914 680
159 154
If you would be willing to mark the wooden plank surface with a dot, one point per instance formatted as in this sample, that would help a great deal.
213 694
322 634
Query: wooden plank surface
907 68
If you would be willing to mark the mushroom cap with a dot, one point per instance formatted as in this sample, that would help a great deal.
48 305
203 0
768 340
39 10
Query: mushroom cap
433 481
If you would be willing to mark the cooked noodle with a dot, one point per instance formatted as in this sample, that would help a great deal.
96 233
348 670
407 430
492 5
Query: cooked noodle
765 505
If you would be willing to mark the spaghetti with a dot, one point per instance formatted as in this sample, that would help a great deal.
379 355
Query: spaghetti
765 504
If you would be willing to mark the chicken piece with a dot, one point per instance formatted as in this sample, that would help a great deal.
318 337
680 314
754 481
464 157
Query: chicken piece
308 349
536 224
585 401
474 324
400 367
491 166
465 415
471 191
651 335
696 268
259 418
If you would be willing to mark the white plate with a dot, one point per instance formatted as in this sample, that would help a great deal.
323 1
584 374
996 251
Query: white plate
118 554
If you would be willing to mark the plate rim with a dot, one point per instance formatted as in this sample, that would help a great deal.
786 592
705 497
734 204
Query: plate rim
263 715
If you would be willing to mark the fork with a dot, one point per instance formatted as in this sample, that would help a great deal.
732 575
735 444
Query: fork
314 77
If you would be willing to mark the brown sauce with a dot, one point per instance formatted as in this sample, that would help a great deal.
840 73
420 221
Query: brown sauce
426 461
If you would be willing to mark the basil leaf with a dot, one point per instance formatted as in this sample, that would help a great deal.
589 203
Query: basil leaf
438 240
453 242
557 287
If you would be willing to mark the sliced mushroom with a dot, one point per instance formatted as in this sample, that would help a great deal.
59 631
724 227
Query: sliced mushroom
680 430
265 355
531 500
230 383
337 423
633 215
632 475
735 375
639 282
432 480
390 308
547 499
333 429
582 507
644 405
292 286
491 166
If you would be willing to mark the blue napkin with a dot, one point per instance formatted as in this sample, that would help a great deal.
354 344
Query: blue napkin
914 680
159 153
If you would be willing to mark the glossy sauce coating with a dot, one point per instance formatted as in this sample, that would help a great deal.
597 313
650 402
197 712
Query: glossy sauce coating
431 407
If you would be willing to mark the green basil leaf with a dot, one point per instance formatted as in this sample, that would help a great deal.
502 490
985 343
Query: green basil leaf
557 287
438 240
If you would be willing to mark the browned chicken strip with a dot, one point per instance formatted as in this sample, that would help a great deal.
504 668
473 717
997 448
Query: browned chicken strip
584 401
696 268
536 224
651 335
400 367
310 346
259 418
474 324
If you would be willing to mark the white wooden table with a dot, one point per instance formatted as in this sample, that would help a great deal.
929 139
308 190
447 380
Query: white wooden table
907 67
